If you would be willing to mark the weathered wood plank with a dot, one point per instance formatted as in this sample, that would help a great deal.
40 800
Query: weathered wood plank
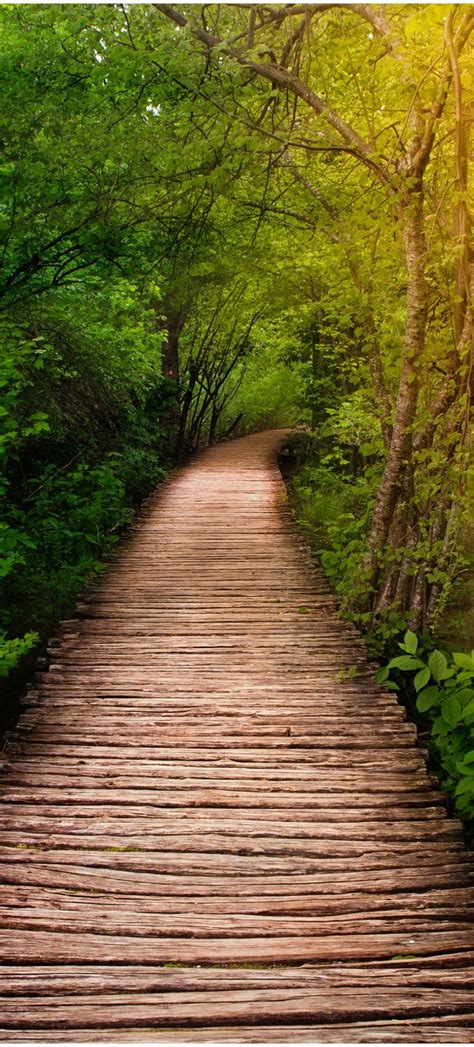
134 801
322 871
84 979
102 819
189 849
414 1031
385 761
134 923
36 946
115 879
445 903
227 1006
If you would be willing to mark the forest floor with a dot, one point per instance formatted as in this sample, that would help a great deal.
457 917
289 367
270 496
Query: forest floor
209 830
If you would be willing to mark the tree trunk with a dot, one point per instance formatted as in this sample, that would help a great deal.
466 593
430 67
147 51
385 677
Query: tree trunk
399 454
185 407
170 353
213 423
378 379
172 322
397 539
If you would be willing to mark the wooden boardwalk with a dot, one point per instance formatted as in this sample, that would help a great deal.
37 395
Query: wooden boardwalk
206 835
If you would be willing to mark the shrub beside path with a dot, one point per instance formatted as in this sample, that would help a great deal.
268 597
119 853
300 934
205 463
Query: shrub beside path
209 831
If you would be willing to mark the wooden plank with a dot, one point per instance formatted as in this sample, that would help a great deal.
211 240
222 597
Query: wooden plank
316 887
36 946
429 902
253 787
229 1007
321 870
134 923
81 980
421 1031
192 850
197 739
376 760
311 777
216 823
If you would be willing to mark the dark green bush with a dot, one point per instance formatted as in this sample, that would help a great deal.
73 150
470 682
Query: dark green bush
80 445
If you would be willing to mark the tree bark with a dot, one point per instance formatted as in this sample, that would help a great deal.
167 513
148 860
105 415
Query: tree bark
172 322
399 454
378 379
170 353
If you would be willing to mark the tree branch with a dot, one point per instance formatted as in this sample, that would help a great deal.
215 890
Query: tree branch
279 75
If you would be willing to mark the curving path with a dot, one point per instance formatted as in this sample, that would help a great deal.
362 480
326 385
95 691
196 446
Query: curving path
206 833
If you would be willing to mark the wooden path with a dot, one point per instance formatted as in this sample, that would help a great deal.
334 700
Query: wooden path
206 835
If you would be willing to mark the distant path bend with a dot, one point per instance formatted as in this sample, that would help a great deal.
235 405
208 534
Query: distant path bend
205 833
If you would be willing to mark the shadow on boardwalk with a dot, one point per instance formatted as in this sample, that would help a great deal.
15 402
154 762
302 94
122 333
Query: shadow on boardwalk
205 835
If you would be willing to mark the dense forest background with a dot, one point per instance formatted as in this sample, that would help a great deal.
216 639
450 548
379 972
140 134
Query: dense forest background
216 219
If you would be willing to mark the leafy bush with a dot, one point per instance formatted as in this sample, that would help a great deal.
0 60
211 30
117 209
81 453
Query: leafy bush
444 686
332 494
79 447
11 651
300 447
354 425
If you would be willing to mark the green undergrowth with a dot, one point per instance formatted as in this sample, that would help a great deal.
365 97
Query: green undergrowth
439 688
82 441
331 498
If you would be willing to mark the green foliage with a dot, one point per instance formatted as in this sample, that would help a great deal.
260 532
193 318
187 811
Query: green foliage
300 447
270 389
61 536
353 424
333 501
71 524
269 401
12 651
443 682
81 441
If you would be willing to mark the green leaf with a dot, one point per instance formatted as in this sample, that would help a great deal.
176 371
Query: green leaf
440 728
437 664
411 642
421 678
465 695
466 785
382 674
465 675
464 768
427 699
463 802
451 711
406 661
468 713
464 661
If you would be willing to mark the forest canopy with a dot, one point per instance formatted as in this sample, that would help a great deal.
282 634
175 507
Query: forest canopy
220 218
